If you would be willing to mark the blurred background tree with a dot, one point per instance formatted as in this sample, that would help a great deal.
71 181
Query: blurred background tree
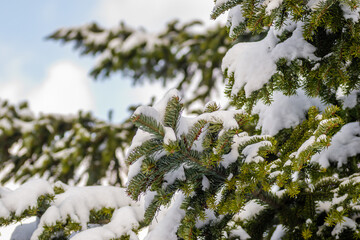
81 149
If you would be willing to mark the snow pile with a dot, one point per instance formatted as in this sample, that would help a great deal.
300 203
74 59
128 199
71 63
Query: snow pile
325 206
313 4
205 183
253 63
122 223
251 209
23 198
235 17
278 233
209 217
224 117
77 202
271 5
347 223
344 144
148 198
349 13
284 111
218 3
303 147
250 152
25 230
168 221
172 176
348 101
239 232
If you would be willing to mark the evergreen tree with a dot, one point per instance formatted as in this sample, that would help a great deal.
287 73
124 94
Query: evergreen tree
284 165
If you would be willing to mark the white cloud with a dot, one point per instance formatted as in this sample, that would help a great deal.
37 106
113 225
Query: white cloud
152 15
11 91
65 90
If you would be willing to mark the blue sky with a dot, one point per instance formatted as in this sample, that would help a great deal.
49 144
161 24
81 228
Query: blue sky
53 77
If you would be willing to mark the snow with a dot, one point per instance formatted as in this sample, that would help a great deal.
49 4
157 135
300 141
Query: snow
235 17
221 116
350 100
205 183
313 4
115 44
305 146
347 223
344 144
122 222
278 233
209 217
148 198
338 200
169 135
325 206
149 112
251 151
76 203
253 63
271 5
16 148
221 2
246 75
274 174
25 230
21 230
24 126
284 111
172 176
5 124
28 193
239 232
251 208
233 155
308 221
349 13
355 178
168 223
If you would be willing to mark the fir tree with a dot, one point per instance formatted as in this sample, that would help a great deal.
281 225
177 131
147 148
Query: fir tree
283 165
